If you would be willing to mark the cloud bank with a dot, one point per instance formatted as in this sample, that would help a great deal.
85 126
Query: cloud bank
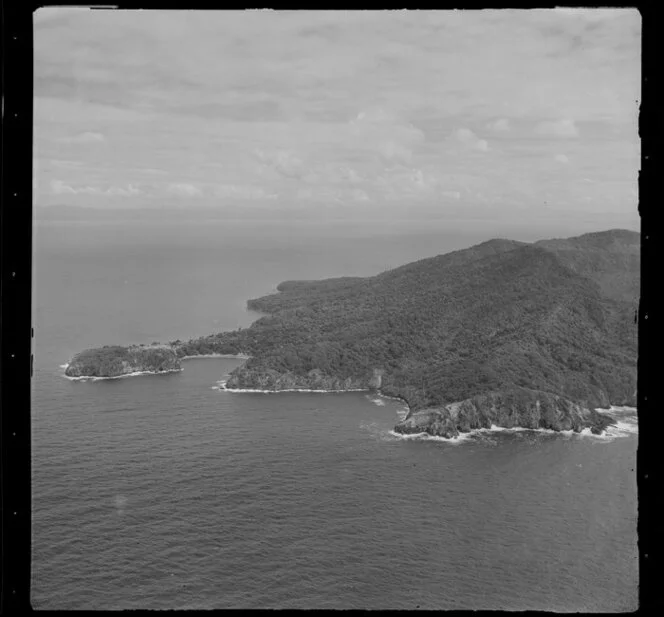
363 108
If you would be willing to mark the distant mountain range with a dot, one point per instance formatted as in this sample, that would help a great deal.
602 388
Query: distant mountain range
504 333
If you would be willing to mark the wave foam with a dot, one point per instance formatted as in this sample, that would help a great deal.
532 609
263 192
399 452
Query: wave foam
426 437
615 410
623 409
621 429
238 356
606 435
256 391
221 385
376 401
626 422
522 429
391 398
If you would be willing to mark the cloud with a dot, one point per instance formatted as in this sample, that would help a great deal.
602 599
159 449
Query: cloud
418 179
319 193
126 192
557 128
184 190
58 187
465 135
393 138
359 195
85 138
393 151
470 140
349 174
452 194
335 101
561 158
234 191
284 162
374 116
152 171
501 125
265 65
400 181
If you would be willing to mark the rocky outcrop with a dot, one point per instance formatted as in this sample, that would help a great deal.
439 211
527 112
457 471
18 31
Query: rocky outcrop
244 378
117 361
520 407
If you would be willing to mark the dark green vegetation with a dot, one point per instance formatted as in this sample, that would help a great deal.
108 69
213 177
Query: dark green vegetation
114 361
554 317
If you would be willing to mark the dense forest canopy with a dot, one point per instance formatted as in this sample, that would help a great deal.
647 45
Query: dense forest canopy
555 316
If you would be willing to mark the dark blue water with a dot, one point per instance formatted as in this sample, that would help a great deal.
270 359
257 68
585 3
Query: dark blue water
164 492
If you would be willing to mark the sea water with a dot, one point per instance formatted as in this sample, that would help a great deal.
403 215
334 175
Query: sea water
166 491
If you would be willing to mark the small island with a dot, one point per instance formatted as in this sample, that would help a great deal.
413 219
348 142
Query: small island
503 333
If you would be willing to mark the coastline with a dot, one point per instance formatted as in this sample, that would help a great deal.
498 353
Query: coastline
222 386
134 374
619 429
138 373
238 356
396 398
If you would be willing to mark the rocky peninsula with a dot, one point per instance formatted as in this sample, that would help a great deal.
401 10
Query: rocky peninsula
116 361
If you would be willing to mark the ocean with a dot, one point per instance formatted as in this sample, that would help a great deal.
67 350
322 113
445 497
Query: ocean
160 492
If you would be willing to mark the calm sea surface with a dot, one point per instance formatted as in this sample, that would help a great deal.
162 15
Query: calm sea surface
165 492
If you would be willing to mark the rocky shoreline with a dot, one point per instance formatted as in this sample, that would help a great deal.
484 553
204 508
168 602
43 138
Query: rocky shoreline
244 378
514 408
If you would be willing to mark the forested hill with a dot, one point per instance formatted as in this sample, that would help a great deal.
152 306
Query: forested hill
611 259
555 316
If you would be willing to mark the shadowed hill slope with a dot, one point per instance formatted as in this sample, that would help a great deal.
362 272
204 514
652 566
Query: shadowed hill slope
610 258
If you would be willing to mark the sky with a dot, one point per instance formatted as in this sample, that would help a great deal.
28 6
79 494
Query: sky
490 115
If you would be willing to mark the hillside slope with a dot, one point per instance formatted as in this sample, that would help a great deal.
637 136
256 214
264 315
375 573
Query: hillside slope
499 315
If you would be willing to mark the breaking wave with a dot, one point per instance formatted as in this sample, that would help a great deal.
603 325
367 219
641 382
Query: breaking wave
620 429
222 386
426 437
